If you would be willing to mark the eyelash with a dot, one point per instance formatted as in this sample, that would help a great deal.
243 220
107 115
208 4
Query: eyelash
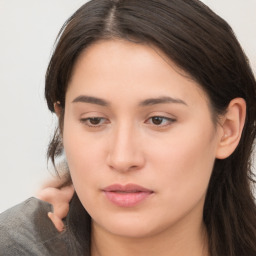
168 121
87 121
102 121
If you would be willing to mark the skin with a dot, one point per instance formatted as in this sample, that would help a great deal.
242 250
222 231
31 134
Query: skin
173 156
59 198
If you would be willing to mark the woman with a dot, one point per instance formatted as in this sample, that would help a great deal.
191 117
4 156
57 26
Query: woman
156 109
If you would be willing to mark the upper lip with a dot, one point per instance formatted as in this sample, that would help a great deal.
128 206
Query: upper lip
126 188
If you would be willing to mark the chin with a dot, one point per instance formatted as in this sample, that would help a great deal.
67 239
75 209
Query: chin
131 231
129 225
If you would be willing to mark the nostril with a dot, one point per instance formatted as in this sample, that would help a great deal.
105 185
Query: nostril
124 165
123 168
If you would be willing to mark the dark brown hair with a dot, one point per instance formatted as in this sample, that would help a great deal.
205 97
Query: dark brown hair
204 46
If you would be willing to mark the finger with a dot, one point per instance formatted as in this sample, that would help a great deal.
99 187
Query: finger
58 223
58 198
53 195
61 204
48 194
61 209
68 191
54 182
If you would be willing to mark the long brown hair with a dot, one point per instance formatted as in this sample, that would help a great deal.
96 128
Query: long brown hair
203 45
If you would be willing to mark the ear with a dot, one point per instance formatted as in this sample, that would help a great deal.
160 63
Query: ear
231 127
57 108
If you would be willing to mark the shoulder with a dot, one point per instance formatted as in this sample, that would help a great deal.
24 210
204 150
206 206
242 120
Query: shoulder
26 229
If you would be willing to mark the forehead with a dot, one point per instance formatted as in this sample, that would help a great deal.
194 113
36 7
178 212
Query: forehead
112 67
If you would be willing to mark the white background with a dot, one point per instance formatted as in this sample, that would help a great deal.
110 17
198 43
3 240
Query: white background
27 32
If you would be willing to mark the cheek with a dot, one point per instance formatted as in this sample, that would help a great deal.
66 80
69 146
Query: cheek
185 164
85 167
82 154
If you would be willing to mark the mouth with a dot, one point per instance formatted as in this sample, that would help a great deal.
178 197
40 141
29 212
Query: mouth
126 195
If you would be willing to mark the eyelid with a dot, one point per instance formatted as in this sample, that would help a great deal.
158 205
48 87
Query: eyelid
86 120
168 119
163 117
161 114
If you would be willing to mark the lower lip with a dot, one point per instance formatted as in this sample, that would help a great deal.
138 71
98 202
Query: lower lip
129 199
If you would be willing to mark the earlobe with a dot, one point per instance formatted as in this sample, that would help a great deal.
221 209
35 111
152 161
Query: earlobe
57 108
232 126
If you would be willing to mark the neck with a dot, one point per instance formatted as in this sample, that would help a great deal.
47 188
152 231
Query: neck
176 241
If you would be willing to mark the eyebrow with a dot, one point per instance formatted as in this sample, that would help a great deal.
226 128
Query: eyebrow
92 100
161 100
147 102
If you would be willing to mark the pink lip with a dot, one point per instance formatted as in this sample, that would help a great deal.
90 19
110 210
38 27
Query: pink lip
126 195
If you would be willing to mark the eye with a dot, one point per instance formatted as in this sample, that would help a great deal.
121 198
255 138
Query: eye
94 121
160 121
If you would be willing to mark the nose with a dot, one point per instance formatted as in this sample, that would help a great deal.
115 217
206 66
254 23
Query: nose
125 150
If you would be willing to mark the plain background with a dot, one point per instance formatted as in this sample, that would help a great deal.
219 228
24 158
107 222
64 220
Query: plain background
28 29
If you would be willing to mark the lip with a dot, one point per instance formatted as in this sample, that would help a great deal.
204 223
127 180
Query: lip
128 195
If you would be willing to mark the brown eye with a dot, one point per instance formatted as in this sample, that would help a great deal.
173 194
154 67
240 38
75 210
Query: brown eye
95 120
160 121
157 120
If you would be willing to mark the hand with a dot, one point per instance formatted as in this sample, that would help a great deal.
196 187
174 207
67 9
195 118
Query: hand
59 198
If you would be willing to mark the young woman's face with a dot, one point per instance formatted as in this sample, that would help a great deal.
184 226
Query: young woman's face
139 140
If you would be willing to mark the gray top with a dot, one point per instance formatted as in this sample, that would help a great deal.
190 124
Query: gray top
26 229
